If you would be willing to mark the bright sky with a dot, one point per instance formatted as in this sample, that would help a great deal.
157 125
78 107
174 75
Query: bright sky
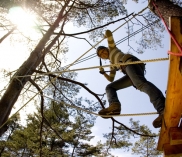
132 100
17 50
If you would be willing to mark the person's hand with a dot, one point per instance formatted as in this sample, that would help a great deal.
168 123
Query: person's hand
101 70
108 33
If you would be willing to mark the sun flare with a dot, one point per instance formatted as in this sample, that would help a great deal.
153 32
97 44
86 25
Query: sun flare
25 21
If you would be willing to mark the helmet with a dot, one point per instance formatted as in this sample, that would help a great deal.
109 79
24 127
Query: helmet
99 48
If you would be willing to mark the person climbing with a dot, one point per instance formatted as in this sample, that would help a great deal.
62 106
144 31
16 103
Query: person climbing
134 75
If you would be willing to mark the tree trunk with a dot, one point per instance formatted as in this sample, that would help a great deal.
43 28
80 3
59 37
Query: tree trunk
18 81
166 8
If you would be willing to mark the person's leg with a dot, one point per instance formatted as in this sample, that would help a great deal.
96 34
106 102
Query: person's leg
111 88
136 74
114 104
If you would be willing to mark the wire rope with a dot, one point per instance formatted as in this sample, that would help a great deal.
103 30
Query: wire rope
117 42
83 59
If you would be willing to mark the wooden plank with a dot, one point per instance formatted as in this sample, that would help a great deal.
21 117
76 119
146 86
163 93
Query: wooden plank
175 150
175 136
173 108
174 155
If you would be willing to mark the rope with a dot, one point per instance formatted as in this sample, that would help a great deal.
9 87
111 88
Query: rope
104 38
95 67
132 18
134 62
89 112
118 64
117 42
173 38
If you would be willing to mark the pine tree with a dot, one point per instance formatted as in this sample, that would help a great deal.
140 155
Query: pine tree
60 136
13 125
146 146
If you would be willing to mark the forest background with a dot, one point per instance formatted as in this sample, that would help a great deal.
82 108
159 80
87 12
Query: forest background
32 64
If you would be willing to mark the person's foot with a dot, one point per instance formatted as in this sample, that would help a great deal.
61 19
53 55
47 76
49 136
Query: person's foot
113 109
157 123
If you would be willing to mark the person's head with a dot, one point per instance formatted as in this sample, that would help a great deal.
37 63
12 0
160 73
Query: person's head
103 52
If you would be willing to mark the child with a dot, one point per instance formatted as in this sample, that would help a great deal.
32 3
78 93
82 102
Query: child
134 75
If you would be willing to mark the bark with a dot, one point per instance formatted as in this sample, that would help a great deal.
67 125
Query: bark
17 83
166 8
6 35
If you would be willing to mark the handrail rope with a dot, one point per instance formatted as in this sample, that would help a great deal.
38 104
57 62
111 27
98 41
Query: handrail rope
109 65
76 61
117 64
170 33
89 112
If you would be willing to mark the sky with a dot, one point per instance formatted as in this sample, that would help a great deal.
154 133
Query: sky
132 100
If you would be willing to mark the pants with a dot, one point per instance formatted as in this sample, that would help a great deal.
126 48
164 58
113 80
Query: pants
135 76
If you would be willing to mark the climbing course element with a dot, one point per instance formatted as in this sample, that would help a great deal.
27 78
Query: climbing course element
170 140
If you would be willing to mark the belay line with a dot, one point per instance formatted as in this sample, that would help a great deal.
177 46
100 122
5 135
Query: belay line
95 67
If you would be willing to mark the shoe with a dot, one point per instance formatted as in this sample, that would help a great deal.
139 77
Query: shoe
113 109
157 123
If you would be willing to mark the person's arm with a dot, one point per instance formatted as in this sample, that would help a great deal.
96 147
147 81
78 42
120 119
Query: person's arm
110 39
109 77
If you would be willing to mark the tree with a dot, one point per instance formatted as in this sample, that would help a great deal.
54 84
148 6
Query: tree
152 37
13 125
60 135
45 54
146 145
121 137
167 8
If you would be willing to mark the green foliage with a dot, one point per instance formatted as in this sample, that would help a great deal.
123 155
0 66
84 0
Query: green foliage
123 138
146 145
60 135
7 4
66 131
5 144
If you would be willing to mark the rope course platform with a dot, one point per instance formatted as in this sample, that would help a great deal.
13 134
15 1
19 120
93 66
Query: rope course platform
170 139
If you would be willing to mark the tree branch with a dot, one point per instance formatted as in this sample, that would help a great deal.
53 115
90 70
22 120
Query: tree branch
97 27
75 82
42 112
6 35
